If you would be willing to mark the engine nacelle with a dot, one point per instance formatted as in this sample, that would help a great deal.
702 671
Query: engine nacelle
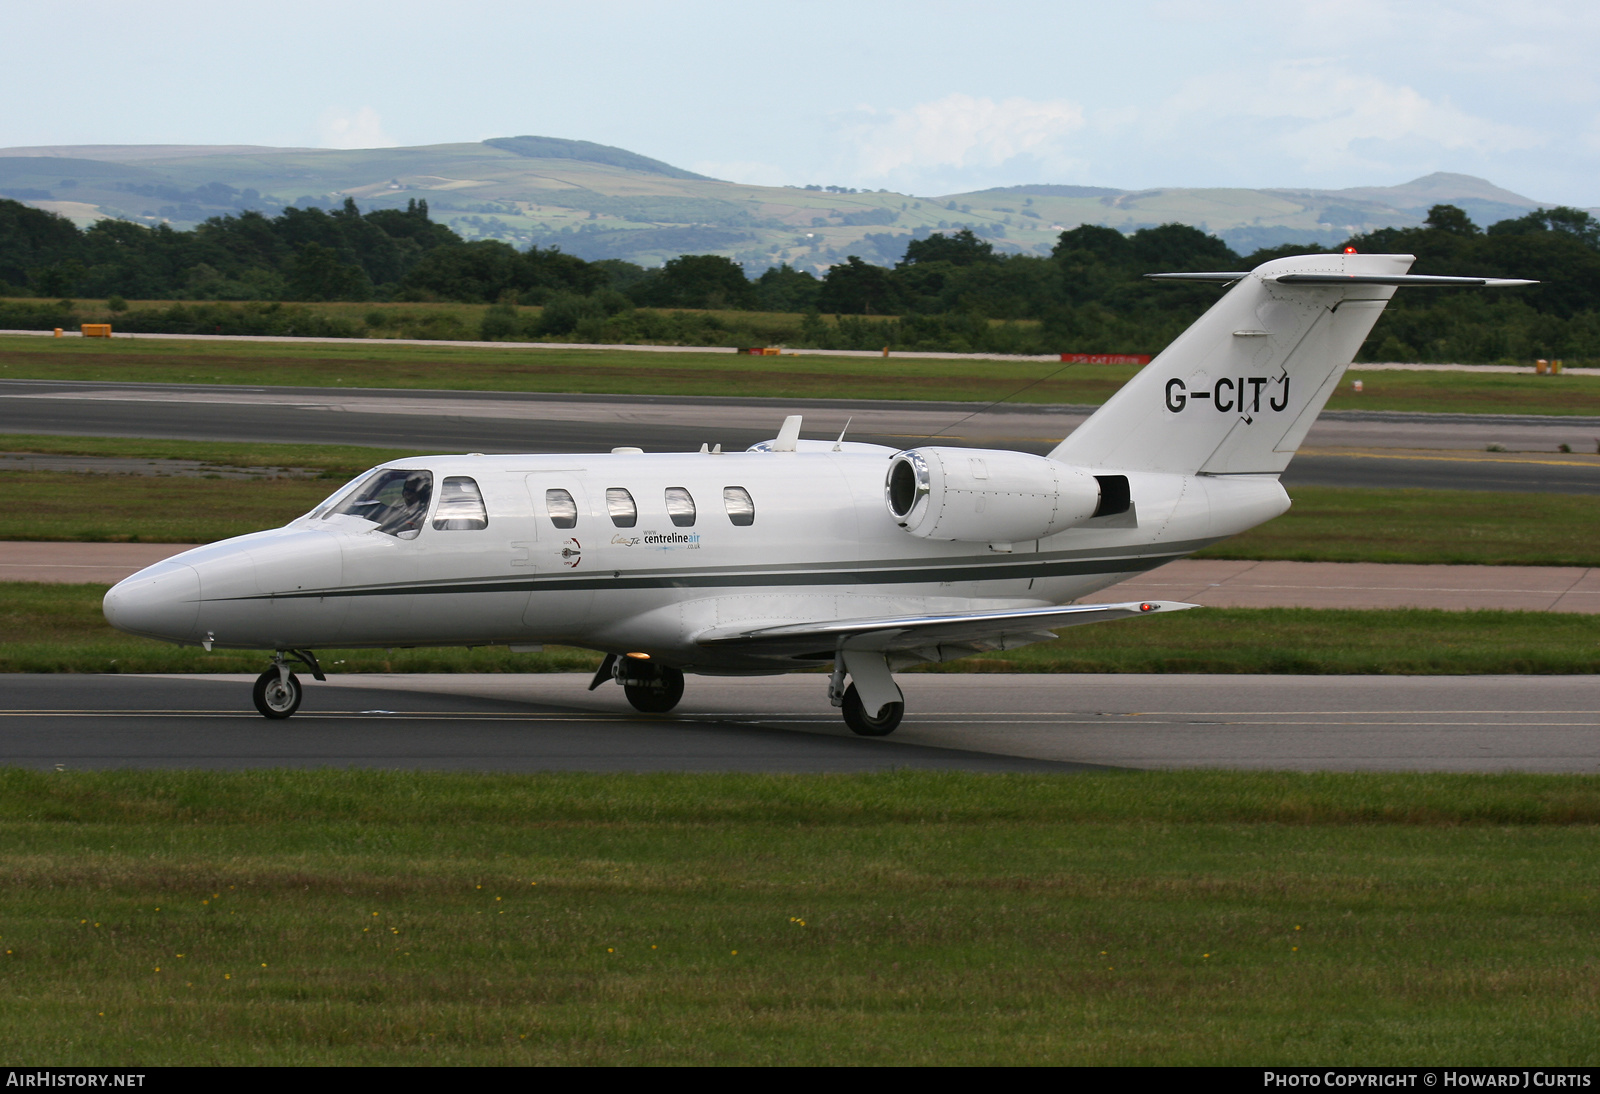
990 496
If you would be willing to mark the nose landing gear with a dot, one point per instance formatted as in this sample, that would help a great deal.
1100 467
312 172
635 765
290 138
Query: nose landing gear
277 691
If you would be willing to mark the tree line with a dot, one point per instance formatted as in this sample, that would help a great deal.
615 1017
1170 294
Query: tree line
949 291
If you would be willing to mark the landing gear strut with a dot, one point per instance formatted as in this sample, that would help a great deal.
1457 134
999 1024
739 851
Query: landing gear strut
650 688
277 692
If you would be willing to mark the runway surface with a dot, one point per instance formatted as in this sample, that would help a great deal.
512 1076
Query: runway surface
1346 448
1042 723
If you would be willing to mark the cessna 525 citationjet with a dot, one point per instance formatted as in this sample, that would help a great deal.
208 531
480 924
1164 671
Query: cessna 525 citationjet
796 553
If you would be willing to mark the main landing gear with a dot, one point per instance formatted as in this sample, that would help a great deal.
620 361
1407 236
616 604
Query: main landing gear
277 692
650 688
885 722
872 705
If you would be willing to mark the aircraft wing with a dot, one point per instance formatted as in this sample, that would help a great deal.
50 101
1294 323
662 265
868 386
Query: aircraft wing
1002 629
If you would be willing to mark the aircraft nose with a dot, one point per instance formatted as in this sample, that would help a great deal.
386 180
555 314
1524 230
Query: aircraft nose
160 601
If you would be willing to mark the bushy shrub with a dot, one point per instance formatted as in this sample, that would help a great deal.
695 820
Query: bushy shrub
272 319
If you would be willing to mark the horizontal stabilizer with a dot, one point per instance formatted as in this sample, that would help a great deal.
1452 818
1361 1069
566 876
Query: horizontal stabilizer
1423 280
1235 276
1420 280
905 632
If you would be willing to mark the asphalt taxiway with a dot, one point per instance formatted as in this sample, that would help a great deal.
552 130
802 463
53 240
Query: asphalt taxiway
993 723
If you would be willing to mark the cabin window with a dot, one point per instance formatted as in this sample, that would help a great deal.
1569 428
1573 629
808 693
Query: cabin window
619 503
680 506
395 499
460 505
562 509
741 509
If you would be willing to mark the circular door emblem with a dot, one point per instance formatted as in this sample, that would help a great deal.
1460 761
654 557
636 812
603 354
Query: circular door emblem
571 554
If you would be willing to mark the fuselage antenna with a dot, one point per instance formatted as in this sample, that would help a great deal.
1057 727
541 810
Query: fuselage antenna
842 432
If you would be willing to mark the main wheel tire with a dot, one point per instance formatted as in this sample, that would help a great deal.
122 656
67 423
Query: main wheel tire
857 718
659 695
276 697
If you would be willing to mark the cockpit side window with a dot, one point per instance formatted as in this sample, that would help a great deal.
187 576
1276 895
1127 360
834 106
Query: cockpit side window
395 499
740 506
680 506
562 509
460 505
619 503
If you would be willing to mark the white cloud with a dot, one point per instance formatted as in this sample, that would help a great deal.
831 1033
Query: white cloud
1321 115
960 135
353 129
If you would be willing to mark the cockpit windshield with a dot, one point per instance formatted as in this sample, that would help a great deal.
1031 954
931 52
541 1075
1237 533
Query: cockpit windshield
395 499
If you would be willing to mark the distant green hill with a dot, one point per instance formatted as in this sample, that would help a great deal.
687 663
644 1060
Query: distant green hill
596 201
554 148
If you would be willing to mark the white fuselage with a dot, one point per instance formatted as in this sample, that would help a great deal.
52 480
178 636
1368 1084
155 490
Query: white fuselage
822 545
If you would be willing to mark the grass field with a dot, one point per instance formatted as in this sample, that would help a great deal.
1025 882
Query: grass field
1348 524
645 373
364 917
1326 524
59 628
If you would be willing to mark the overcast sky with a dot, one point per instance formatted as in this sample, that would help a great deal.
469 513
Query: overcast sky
926 97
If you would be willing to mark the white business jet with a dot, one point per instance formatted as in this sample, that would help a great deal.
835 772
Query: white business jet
796 553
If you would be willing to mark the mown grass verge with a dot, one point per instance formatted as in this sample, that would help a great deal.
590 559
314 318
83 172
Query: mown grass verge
366 917
596 371
1365 524
59 628
1326 524
336 461
639 372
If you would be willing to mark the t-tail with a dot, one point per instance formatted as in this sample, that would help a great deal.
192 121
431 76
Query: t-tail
1237 392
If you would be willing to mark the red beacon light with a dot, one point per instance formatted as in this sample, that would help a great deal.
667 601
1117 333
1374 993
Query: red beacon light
1349 250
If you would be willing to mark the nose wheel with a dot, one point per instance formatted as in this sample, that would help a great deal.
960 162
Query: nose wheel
277 694
277 691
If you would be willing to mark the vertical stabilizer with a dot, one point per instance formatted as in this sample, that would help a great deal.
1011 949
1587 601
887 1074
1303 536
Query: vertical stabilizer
1237 391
